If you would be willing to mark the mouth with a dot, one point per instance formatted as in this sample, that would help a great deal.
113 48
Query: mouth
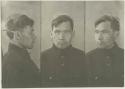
100 42
61 42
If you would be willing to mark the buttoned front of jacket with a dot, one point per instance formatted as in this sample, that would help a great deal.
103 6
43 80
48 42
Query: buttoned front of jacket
63 67
106 67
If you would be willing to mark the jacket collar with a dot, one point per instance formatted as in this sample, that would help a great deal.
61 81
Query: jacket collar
61 50
17 49
112 50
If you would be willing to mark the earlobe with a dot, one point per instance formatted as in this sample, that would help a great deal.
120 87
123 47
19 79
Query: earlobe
16 35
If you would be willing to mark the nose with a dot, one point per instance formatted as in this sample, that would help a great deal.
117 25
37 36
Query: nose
100 36
61 36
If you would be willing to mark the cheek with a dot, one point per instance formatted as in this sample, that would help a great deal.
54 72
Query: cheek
108 37
54 37
68 37
28 39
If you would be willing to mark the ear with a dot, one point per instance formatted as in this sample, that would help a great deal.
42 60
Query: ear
51 34
116 34
18 36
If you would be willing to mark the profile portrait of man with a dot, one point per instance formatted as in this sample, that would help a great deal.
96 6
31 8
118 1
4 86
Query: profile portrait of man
18 70
106 62
62 65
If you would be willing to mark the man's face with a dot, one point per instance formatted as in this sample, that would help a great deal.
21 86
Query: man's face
62 35
105 35
28 37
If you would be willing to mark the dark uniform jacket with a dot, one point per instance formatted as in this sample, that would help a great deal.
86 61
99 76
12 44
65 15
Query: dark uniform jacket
63 68
106 67
18 70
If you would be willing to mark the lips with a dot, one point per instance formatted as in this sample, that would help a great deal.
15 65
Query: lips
100 42
61 40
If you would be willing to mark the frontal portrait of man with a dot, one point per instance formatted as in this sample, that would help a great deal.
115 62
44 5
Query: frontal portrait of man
18 70
62 65
106 62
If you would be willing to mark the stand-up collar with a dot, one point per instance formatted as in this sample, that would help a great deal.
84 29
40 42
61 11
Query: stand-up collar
62 50
17 49
111 50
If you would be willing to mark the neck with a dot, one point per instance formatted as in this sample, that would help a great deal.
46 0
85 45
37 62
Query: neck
111 46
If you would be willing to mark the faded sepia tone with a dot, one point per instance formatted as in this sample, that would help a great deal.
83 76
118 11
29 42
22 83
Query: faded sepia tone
94 10
79 63
104 43
29 8
50 10
20 44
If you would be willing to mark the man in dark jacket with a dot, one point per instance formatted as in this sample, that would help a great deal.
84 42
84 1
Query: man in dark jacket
106 62
63 65
18 70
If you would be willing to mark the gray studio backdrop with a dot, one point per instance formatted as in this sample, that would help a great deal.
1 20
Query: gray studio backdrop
83 13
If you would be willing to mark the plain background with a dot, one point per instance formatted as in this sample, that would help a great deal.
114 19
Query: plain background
84 15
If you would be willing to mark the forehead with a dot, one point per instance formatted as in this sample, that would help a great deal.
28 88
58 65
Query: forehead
104 26
63 26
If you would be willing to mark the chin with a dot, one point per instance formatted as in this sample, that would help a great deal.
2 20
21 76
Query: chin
29 47
60 47
101 46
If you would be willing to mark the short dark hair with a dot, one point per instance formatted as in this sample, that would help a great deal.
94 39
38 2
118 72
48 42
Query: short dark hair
60 19
17 22
113 20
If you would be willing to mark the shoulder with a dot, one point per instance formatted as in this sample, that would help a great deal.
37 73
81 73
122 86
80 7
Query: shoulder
10 56
92 52
77 51
121 50
10 61
47 51
13 58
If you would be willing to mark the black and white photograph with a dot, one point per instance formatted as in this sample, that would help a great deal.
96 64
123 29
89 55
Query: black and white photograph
20 44
62 44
